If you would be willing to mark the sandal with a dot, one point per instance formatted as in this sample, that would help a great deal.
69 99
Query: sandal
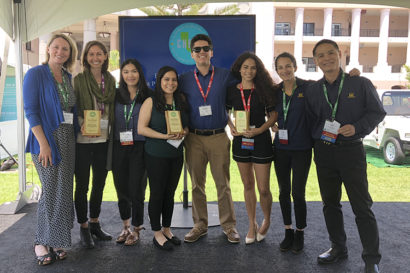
60 254
123 236
44 259
132 239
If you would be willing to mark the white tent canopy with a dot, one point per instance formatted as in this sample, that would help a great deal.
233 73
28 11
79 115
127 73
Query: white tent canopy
25 20
39 17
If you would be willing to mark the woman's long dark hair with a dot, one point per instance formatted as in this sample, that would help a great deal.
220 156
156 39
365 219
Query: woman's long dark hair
123 95
264 86
159 98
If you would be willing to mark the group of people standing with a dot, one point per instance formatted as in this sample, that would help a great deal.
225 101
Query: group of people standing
331 115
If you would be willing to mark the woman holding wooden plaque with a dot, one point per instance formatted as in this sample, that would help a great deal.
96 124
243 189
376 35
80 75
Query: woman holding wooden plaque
95 92
253 100
49 105
163 121
128 164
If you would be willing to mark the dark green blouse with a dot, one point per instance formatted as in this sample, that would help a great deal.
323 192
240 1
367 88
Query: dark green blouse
160 147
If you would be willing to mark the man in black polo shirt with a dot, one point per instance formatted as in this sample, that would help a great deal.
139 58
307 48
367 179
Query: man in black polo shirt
341 111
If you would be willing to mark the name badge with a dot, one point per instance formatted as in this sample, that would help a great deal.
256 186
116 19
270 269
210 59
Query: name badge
104 124
330 129
248 144
205 110
126 138
175 142
283 136
68 117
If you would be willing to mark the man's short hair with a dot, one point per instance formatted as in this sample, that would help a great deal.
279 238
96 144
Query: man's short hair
201 37
325 41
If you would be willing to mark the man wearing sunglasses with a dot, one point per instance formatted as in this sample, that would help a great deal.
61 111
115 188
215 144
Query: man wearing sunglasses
205 89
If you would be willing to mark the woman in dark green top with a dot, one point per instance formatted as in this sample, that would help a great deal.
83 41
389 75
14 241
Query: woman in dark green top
163 153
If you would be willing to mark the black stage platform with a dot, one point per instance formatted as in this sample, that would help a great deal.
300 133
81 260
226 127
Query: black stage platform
211 253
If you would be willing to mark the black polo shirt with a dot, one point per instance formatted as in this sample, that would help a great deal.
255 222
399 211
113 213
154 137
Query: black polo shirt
298 133
359 105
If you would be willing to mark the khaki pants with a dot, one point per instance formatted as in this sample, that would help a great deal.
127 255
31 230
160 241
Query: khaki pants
199 151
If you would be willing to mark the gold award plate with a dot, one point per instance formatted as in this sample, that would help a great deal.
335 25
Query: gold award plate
241 121
174 124
92 123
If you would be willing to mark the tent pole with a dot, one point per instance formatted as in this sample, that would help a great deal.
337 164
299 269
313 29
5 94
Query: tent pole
19 97
24 195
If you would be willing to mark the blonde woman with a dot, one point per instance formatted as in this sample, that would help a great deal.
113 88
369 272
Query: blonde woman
49 104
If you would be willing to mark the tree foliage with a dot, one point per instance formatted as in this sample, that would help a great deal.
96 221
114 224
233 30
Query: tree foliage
407 74
186 9
114 60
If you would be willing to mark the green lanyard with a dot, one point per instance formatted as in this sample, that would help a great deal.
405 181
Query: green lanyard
62 88
173 105
128 117
286 105
334 108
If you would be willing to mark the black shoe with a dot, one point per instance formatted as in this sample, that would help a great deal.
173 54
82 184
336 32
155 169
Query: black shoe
174 240
371 268
95 229
286 244
86 238
332 255
298 241
166 246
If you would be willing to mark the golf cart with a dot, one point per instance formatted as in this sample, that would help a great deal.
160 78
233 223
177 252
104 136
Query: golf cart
392 135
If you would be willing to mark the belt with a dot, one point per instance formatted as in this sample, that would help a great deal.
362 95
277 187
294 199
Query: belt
200 132
344 142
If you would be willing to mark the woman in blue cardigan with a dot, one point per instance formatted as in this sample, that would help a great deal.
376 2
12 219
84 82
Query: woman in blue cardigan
49 104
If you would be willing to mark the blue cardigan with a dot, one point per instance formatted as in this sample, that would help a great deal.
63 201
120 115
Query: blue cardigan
42 107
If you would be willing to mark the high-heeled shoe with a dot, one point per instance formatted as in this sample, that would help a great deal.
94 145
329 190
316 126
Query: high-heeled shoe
248 240
259 236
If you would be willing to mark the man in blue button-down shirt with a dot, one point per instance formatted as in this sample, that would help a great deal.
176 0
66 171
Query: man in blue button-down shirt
205 89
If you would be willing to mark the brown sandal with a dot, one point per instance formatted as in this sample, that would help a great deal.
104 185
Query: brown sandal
124 235
132 239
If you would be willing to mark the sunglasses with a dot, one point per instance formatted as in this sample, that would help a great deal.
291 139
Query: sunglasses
198 49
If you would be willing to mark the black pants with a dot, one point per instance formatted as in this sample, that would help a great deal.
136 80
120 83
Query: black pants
130 180
86 155
297 162
347 163
163 174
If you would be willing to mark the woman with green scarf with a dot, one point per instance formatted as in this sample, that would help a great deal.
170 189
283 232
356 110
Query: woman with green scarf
95 90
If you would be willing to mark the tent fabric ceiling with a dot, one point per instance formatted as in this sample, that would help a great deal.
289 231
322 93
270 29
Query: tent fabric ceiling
45 16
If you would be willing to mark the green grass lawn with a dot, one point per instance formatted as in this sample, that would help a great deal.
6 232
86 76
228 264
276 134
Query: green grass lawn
385 185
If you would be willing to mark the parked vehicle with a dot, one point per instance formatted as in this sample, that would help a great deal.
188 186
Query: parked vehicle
392 135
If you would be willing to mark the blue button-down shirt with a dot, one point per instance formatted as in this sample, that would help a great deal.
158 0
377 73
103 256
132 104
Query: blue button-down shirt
216 97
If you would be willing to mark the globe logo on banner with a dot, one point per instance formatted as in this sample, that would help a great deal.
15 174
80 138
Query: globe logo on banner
180 39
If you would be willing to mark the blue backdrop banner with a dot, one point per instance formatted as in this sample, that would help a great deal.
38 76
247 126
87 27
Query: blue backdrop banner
156 41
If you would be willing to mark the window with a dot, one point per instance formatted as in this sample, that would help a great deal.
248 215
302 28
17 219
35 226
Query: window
309 63
28 46
309 29
282 29
336 29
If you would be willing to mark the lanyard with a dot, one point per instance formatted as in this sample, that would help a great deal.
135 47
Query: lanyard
209 85
173 105
246 106
334 108
101 105
286 105
128 117
61 87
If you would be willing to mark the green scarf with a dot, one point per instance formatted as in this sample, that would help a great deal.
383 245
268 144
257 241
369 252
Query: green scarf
86 87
